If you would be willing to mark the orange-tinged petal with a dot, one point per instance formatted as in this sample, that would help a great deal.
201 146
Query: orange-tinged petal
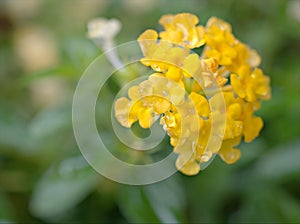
211 64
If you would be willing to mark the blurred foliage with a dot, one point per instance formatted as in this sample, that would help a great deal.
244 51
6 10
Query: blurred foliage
43 177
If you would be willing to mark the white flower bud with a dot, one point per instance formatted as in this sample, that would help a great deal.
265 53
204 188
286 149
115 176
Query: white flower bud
103 29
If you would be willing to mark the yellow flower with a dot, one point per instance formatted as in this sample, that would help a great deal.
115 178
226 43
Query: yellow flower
220 41
127 112
245 57
162 56
222 45
182 29
176 93
251 86
150 98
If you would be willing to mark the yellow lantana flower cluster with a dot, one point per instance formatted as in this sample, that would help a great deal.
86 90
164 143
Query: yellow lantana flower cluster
227 69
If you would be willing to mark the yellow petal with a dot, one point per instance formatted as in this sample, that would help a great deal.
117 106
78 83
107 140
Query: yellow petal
161 105
237 86
254 59
147 41
213 53
174 73
176 93
170 120
233 129
148 35
190 167
174 141
146 118
166 21
212 64
181 29
201 35
228 153
122 112
252 127
200 103
158 82
191 65
250 95
187 19
261 84
145 88
133 92
221 24
235 110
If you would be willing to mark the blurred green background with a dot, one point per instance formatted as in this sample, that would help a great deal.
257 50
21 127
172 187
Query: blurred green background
44 50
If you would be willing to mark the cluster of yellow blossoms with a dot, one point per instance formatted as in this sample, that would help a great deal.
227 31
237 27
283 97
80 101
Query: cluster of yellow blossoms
226 68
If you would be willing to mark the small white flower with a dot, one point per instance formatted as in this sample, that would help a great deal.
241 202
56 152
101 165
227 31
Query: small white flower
293 10
103 29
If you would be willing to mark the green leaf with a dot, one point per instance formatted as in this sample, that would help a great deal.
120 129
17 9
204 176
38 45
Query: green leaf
65 72
135 206
13 131
161 202
50 123
268 204
208 191
6 214
79 52
63 187
282 162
